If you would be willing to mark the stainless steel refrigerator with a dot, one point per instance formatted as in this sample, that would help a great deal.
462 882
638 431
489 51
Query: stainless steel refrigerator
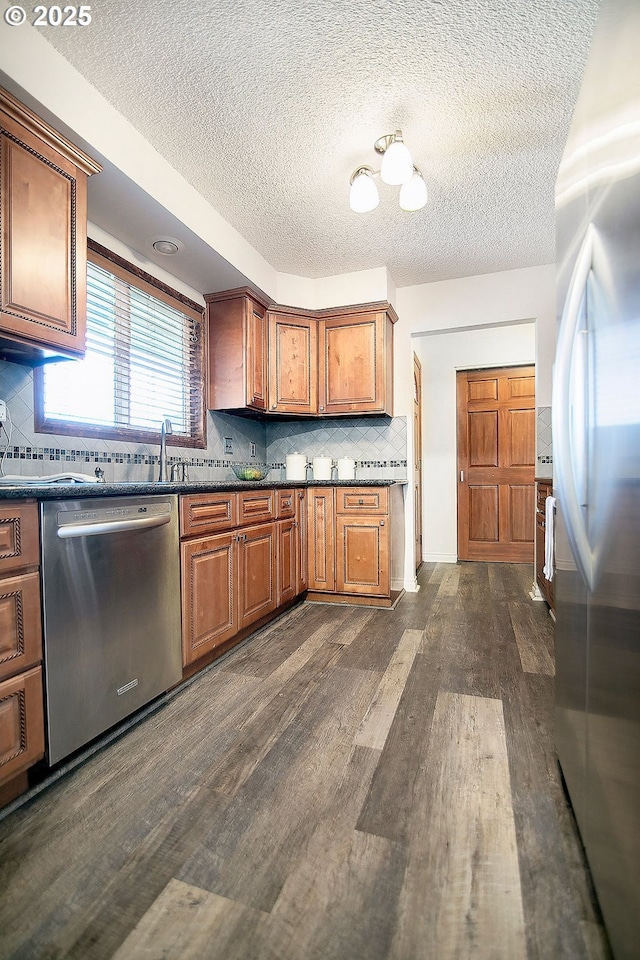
596 437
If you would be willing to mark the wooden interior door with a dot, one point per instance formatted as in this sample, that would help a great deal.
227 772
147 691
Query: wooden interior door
417 457
496 459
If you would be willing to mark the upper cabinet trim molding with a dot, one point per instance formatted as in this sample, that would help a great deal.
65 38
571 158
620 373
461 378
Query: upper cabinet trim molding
28 119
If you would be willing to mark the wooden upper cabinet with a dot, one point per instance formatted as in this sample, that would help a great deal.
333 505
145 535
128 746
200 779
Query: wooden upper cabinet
237 327
356 363
293 364
285 360
43 245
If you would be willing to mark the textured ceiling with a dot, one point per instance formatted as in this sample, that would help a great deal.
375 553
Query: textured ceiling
266 108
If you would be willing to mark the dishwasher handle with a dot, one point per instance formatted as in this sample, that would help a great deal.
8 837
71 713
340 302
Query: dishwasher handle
74 530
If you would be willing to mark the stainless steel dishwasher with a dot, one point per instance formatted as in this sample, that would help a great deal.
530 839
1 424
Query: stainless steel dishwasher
111 598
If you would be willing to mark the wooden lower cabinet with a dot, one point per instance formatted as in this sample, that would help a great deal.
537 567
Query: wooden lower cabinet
287 561
350 543
232 579
256 574
362 556
321 538
21 697
21 723
209 615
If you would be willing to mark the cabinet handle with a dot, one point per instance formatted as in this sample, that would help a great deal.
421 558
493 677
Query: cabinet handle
321 408
361 501
382 523
273 406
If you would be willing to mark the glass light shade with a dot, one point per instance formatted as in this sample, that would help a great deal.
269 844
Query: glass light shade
363 195
413 193
397 165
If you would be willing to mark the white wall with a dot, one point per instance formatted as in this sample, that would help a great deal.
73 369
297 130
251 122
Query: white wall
470 305
441 356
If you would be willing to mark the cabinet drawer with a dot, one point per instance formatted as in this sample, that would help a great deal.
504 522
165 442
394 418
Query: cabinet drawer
207 513
19 538
20 626
285 504
255 506
365 500
21 723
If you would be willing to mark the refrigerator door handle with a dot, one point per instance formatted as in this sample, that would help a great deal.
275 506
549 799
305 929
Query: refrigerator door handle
569 474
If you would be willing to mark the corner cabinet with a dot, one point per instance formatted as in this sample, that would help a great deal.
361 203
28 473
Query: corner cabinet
295 362
21 696
43 246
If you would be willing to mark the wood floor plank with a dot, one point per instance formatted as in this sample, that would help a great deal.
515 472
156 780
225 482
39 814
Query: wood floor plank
246 855
187 923
379 717
533 632
239 821
461 895
391 803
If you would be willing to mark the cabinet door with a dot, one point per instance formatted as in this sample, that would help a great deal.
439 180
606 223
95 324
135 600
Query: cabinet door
208 609
321 537
287 561
302 545
43 208
256 326
20 625
354 364
237 338
362 555
256 576
19 536
293 364
21 723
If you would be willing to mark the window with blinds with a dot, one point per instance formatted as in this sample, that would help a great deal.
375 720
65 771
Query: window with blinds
143 362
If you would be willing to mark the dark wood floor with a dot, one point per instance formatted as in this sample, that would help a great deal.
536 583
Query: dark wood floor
350 784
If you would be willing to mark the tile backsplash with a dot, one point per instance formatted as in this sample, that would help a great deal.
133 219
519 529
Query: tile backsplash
544 442
378 444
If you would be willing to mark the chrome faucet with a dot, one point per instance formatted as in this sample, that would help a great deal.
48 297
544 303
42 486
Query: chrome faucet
165 430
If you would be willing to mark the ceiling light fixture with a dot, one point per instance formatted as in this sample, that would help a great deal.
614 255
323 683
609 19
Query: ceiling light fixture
397 169
364 193
167 246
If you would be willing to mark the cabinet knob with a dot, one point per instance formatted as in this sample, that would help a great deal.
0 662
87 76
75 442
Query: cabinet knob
321 408
361 501
273 406
382 523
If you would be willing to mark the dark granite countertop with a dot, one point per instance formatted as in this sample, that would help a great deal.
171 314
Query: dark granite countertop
75 491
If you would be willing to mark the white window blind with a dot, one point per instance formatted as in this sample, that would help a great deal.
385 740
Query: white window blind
142 363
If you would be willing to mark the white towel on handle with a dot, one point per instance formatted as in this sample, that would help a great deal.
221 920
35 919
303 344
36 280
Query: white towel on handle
549 536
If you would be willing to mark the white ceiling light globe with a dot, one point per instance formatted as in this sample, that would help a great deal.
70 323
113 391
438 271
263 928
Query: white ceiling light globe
413 193
363 195
397 165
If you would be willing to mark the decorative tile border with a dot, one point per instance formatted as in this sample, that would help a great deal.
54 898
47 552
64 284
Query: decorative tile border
59 455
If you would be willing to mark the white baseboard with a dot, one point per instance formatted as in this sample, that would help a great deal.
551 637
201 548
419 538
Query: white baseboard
409 585
534 593
440 557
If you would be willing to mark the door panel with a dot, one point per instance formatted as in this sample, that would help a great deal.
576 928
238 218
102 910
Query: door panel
293 364
483 439
363 564
483 513
320 527
496 458
208 615
256 573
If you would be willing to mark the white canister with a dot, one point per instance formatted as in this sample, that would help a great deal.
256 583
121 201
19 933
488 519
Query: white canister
296 466
322 468
346 468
